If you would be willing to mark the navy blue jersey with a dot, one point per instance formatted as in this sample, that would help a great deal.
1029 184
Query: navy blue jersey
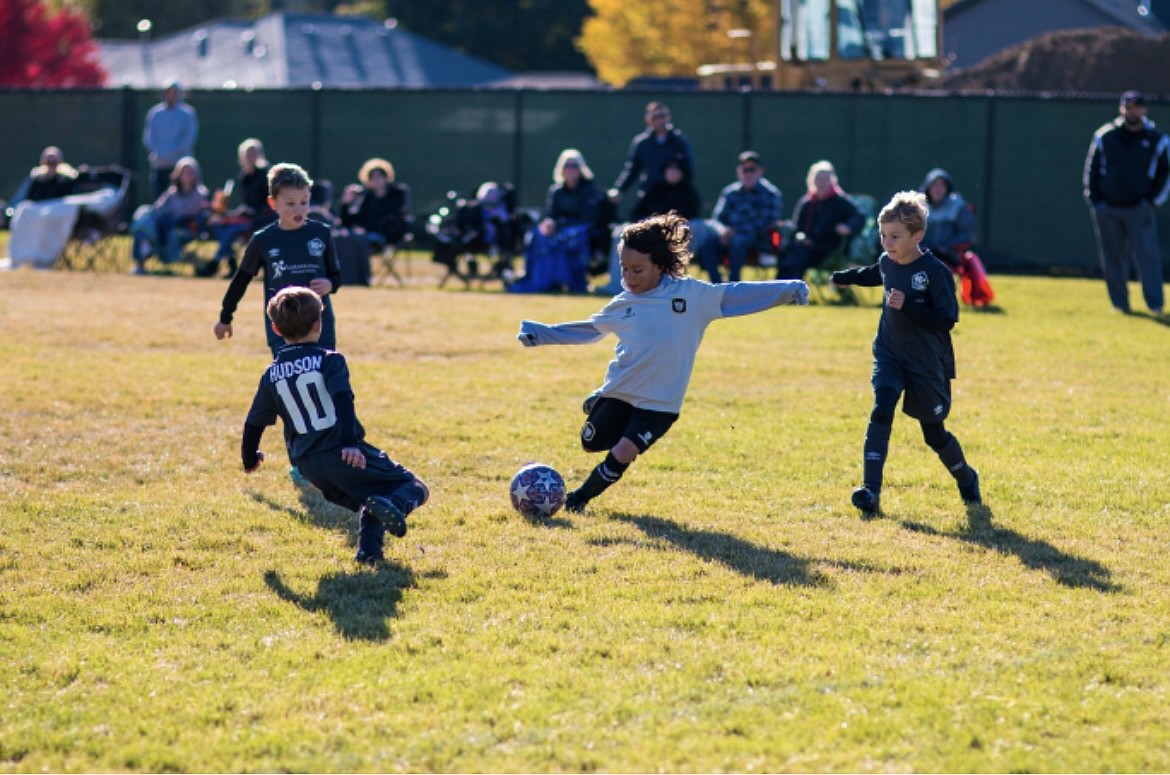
307 386
918 336
288 257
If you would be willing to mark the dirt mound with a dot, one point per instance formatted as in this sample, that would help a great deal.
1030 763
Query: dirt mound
1104 59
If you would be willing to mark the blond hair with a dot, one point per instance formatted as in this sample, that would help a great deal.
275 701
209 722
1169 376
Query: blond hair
571 156
908 208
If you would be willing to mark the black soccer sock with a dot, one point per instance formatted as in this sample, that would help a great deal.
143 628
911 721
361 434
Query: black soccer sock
606 473
877 445
951 455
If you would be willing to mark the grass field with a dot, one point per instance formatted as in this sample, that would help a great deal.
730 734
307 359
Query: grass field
723 608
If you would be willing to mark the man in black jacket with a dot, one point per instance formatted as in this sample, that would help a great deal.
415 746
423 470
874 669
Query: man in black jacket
1127 176
650 151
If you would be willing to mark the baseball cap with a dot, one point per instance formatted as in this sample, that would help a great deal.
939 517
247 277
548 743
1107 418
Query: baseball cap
1133 98
749 156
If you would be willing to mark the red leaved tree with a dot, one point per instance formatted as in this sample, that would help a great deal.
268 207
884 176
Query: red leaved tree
46 48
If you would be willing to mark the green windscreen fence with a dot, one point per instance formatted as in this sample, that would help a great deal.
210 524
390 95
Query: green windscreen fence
1018 160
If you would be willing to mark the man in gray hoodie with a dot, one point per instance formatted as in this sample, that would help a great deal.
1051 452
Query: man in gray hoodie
169 134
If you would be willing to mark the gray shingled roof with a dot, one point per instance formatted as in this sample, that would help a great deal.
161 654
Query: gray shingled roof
295 50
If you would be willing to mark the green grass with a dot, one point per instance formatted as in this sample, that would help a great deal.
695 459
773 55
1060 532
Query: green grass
722 608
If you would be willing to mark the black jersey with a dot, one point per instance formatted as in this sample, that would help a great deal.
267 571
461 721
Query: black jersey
288 257
918 336
307 386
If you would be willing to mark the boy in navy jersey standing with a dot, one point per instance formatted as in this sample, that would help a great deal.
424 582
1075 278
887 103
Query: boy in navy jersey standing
659 320
307 386
912 352
292 251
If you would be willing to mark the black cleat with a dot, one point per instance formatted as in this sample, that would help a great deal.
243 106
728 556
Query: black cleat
970 491
866 500
370 533
574 504
387 511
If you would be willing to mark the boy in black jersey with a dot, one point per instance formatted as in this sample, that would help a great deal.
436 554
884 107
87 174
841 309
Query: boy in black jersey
912 351
307 386
292 251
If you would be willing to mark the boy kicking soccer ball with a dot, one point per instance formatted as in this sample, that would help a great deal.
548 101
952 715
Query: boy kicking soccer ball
307 386
912 352
659 320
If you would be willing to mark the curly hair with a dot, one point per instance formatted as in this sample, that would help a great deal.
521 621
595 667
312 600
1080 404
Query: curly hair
907 208
665 238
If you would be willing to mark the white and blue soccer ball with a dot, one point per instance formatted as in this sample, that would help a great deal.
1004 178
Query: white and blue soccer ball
538 491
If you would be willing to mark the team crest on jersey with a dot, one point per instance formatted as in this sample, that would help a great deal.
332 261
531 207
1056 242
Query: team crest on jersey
919 281
316 247
678 305
278 269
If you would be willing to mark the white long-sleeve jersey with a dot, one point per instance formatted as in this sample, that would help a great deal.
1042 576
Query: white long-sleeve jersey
659 333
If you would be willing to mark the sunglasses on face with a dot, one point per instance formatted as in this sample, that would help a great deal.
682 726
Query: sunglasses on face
749 170
657 115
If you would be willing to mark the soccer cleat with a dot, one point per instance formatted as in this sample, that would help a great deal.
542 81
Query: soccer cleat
866 500
590 402
970 491
388 514
370 533
575 504
297 477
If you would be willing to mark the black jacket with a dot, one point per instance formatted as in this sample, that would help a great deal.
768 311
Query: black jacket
1125 168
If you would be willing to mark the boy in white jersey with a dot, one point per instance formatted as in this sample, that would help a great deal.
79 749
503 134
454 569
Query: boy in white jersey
659 320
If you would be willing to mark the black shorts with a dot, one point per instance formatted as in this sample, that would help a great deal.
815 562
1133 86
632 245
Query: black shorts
927 399
613 419
349 487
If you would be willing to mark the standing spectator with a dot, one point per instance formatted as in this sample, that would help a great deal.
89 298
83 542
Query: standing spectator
169 134
824 217
745 211
1127 176
650 151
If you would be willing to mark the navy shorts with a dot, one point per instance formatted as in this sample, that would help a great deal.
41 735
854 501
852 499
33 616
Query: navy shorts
927 398
349 487
613 419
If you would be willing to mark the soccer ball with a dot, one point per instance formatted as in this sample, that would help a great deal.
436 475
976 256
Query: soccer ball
538 491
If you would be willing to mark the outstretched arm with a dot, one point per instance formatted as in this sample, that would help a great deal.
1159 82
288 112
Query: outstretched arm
533 334
868 276
744 298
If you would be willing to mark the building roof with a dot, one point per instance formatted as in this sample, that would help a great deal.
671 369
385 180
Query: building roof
285 50
1126 13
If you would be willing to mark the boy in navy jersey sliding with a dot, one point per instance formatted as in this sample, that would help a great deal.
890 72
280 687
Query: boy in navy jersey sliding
912 352
659 320
307 386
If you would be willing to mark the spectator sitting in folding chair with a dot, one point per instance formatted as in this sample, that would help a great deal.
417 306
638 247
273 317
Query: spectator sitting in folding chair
39 231
173 220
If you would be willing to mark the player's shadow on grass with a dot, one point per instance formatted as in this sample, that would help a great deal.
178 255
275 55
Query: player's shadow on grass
358 603
1066 569
315 510
744 557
